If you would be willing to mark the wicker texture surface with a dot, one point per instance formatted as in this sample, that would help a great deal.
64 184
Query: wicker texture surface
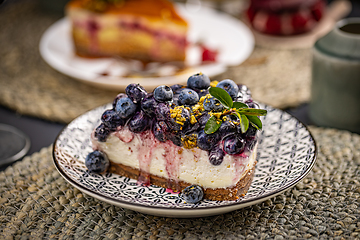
35 201
31 87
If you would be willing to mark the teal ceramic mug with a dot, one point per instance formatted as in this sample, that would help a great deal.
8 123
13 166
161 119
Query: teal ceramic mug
335 90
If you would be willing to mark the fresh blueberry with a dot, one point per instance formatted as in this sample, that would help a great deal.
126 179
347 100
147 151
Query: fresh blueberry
191 128
149 104
160 130
139 122
163 93
102 132
188 97
226 128
203 92
250 133
230 86
250 144
97 162
233 145
207 141
183 122
162 112
193 194
203 119
212 104
112 119
120 95
175 138
198 81
135 92
176 88
125 107
216 156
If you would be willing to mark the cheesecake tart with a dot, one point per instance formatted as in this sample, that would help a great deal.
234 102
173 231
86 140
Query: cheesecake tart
145 30
203 134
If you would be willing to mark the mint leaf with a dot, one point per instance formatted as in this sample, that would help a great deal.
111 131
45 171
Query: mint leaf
253 112
212 125
244 124
239 105
255 121
221 95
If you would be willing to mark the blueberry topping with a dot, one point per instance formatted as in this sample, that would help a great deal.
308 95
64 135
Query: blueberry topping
160 130
203 119
206 141
139 122
250 144
250 133
203 92
175 138
135 92
125 107
193 194
188 97
226 128
102 132
162 112
198 81
216 156
233 145
163 93
149 104
181 120
212 104
112 119
176 88
97 162
120 95
230 86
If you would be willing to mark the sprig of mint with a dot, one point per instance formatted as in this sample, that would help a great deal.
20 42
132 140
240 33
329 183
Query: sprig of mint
247 116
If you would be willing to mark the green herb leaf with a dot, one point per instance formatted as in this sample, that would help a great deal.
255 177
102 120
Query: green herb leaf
212 125
222 96
253 112
244 124
237 115
255 121
239 105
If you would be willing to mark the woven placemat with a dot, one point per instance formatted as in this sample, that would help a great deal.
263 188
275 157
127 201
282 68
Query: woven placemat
29 86
35 201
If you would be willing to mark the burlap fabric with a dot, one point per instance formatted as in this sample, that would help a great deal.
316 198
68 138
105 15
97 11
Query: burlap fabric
29 86
36 202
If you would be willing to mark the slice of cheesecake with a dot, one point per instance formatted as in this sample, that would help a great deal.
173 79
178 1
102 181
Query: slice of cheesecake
182 135
146 30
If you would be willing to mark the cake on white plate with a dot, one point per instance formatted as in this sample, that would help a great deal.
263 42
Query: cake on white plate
201 138
145 30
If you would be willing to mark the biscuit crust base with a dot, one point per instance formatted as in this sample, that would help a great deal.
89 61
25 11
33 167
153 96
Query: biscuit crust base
216 194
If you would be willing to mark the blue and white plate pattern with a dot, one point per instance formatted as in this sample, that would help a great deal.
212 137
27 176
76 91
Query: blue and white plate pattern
286 154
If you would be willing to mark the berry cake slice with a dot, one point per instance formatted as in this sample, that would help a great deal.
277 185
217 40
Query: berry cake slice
146 30
202 134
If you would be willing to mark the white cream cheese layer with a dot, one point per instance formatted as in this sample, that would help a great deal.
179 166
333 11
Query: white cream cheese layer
188 165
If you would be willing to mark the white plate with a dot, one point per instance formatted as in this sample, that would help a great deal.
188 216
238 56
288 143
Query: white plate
229 36
286 154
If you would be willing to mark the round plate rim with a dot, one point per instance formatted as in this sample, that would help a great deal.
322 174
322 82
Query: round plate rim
181 211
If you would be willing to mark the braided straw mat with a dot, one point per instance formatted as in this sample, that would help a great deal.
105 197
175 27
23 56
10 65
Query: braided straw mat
36 202
31 87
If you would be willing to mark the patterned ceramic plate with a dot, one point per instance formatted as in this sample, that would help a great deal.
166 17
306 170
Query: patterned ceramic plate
286 154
